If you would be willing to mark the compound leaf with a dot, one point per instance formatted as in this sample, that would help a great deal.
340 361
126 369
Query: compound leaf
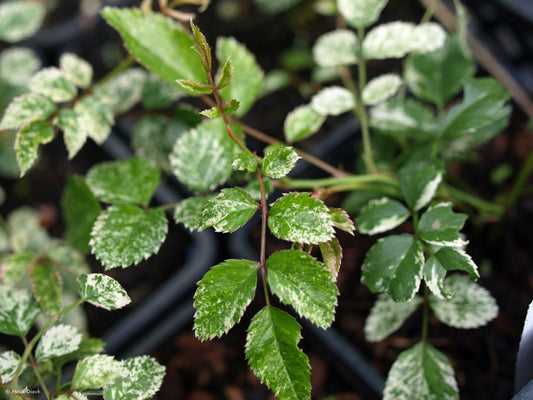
301 123
76 69
52 83
381 215
421 372
189 211
333 100
9 362
273 354
143 378
102 291
57 341
124 235
418 183
47 285
20 20
279 160
470 305
336 48
95 117
26 108
297 217
381 88
387 315
222 297
361 13
29 137
303 282
394 265
97 371
18 311
440 226
133 180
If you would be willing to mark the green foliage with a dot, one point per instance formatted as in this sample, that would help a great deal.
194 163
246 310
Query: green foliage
381 215
18 310
97 371
102 291
301 123
57 341
333 100
29 137
46 285
279 161
9 362
20 20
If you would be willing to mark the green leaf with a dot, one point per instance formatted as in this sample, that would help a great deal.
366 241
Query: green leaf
440 226
202 157
97 371
202 47
228 211
9 362
102 291
195 87
144 376
15 267
87 347
333 100
189 211
124 235
18 310
157 93
331 255
222 297
29 137
17 65
26 232
438 75
394 265
403 118
247 77
297 217
122 91
481 115
80 210
421 372
419 182
46 285
361 13
20 20
381 215
381 88
230 106
279 160
225 76
470 306
133 180
434 274
57 341
397 39
456 259
76 69
336 48
95 118
74 133
52 83
211 113
305 283
341 220
301 123
387 316
245 161
157 42
273 354
26 108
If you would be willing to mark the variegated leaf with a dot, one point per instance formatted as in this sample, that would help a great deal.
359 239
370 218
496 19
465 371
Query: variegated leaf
336 48
279 160
57 341
228 211
333 100
381 215
301 123
9 362
102 291
96 372
440 226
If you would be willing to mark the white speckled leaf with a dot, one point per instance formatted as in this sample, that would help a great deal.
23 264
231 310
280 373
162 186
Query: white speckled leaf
470 306
222 297
333 100
301 123
18 310
247 77
245 161
27 143
381 88
157 93
18 64
274 357
57 341
15 267
387 315
428 37
77 70
434 274
144 376
202 157
133 180
124 235
123 91
421 372
381 215
46 284
456 259
225 74
188 211
97 371
297 217
440 226
331 255
306 284
26 108
95 117
279 161
342 221
52 83
361 13
336 48
20 19
102 291
394 265
418 183
74 134
228 211
9 362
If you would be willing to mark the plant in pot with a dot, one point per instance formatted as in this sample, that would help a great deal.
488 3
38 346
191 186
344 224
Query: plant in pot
409 140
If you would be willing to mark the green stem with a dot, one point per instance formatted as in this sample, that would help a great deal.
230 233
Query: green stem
425 314
264 219
33 364
484 206
124 64
348 182
521 180
430 10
